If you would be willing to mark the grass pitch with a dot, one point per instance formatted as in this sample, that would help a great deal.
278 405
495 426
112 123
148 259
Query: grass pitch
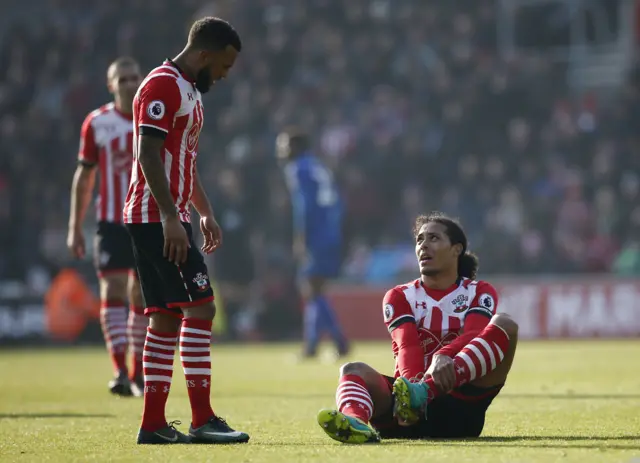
572 401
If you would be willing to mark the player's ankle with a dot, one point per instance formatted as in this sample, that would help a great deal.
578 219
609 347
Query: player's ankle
153 426
197 423
201 417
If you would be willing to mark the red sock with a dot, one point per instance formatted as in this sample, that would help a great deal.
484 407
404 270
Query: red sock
195 353
158 370
478 358
113 319
136 332
353 398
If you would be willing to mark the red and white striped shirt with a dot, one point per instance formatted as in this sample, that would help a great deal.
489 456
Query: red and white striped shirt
168 101
106 139
438 314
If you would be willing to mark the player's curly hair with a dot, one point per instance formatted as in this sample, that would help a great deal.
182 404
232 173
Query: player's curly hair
468 262
211 33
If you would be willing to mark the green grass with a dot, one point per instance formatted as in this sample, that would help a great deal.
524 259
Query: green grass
573 401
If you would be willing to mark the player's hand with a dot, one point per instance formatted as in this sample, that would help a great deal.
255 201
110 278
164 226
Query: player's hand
443 372
75 243
176 241
211 232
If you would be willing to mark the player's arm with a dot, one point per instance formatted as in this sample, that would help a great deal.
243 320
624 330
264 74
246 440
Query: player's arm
199 199
298 182
159 102
401 323
482 308
149 148
82 188
210 229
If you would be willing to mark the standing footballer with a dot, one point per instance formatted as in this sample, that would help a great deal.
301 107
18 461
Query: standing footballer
317 221
106 143
168 117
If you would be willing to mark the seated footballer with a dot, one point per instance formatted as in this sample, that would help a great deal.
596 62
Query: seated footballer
452 350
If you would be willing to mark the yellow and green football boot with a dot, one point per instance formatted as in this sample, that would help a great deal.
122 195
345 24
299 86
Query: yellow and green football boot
410 400
346 429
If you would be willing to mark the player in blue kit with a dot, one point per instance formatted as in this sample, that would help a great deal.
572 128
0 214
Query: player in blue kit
317 241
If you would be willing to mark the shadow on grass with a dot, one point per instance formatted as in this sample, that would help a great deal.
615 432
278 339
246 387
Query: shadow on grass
570 396
508 396
553 442
15 416
554 437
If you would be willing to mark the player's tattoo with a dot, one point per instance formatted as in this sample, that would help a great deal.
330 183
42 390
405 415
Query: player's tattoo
154 173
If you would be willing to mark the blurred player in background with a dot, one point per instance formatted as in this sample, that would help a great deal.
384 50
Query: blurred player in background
168 118
453 352
235 261
317 245
106 146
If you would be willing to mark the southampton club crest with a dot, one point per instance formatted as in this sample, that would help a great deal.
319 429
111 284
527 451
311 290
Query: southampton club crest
202 281
460 303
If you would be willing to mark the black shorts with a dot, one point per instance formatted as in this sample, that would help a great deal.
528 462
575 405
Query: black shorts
167 287
457 415
112 249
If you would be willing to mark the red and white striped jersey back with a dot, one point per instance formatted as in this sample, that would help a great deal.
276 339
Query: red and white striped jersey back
167 102
438 314
106 140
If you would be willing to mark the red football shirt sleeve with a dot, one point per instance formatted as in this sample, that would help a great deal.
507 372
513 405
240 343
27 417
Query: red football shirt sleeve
482 308
410 355
158 102
401 323
486 301
88 151
396 309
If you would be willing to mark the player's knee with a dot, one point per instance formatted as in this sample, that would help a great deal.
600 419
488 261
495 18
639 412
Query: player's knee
206 311
164 323
113 289
354 368
135 293
507 323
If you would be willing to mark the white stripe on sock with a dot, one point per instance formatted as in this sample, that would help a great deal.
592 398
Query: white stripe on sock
487 347
159 338
355 399
148 353
160 346
159 378
197 371
195 359
500 353
477 353
186 329
159 366
353 394
469 362
194 349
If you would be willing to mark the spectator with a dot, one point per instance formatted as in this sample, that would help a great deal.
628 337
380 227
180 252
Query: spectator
409 101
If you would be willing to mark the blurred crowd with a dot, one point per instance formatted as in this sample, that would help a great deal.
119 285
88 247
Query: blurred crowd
408 101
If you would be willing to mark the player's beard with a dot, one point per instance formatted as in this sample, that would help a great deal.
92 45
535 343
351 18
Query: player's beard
429 272
203 80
